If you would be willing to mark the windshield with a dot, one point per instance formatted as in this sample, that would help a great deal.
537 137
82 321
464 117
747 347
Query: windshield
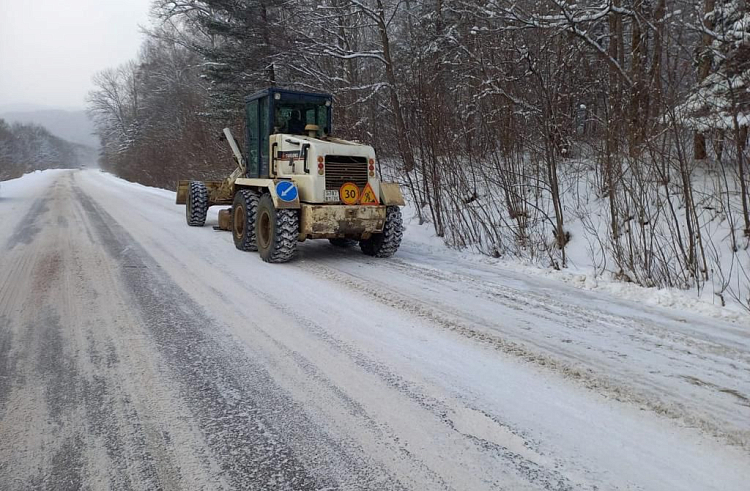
292 117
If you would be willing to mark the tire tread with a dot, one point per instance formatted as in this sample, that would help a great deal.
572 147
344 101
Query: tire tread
249 199
197 206
284 246
386 244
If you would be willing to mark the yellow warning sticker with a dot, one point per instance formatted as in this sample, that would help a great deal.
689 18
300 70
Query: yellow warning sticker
349 193
368 196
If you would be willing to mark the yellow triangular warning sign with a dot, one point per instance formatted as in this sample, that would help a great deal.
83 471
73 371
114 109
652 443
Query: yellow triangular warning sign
368 196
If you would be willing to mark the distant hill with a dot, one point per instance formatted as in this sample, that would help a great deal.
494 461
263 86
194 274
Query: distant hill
26 148
73 126
24 107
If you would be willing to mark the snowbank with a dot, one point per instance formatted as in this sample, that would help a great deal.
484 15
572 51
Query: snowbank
580 274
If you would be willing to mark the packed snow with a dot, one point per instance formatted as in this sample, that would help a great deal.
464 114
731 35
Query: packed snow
434 369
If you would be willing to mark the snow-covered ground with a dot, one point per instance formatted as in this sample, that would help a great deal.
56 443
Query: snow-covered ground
654 248
432 370
581 274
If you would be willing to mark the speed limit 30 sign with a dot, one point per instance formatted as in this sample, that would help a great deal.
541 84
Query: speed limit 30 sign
349 193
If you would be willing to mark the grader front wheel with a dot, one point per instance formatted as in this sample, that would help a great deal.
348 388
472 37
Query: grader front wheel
244 209
276 231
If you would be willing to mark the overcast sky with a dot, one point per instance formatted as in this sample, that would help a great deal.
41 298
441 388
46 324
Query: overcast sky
49 49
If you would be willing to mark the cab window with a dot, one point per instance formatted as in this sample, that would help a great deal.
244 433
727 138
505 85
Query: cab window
292 117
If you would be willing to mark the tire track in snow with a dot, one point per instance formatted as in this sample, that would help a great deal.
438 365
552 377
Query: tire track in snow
570 314
527 459
28 227
445 319
252 426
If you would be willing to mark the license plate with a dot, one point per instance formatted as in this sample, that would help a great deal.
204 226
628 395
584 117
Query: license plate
332 195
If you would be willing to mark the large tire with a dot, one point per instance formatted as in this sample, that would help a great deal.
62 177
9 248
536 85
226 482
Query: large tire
196 207
244 210
276 231
386 244
342 242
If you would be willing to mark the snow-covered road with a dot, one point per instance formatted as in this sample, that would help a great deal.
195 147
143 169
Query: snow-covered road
137 352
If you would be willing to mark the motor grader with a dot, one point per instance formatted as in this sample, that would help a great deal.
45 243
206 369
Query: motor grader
296 181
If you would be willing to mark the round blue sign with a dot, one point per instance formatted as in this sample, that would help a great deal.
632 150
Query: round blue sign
286 190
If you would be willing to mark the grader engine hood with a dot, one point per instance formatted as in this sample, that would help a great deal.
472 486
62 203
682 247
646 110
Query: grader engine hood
320 167
292 145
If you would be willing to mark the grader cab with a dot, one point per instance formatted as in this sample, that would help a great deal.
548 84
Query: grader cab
295 181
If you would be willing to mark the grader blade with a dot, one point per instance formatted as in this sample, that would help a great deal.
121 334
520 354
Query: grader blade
182 192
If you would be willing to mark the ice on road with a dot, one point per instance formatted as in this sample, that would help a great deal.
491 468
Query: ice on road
139 353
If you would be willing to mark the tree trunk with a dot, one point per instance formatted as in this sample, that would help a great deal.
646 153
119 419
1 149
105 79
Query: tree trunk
704 68
611 171
403 141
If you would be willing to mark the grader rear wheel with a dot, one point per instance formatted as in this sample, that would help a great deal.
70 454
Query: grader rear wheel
385 244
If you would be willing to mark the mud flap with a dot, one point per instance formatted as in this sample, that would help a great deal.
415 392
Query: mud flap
390 194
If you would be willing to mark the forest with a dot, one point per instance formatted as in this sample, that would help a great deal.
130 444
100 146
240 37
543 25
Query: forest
28 147
609 135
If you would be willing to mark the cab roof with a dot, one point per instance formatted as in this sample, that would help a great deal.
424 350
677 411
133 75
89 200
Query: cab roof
289 95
